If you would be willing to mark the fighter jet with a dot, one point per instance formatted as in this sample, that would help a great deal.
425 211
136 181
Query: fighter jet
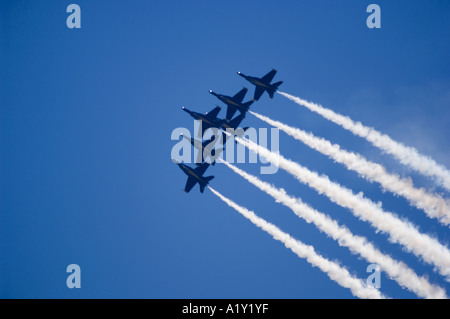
201 146
234 103
210 120
263 84
195 176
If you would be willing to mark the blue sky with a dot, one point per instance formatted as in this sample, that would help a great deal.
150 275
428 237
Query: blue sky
86 119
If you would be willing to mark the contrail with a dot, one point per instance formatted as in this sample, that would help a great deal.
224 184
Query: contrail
399 231
334 271
432 204
396 270
405 154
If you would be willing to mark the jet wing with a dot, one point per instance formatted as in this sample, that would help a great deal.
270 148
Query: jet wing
205 126
213 114
231 110
205 148
191 181
234 123
212 139
258 92
201 169
269 76
239 97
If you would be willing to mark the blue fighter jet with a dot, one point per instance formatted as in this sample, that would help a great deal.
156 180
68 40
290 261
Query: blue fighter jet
195 176
263 84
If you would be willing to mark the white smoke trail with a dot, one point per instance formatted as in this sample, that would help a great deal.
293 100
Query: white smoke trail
405 154
396 270
334 271
432 204
399 231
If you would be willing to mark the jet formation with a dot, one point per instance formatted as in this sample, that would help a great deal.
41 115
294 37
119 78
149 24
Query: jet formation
210 120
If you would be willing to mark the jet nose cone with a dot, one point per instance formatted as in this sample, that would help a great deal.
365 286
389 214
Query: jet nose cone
210 91
239 73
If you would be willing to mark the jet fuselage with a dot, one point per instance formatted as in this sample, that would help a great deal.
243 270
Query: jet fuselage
189 171
256 81
226 99
218 123
201 117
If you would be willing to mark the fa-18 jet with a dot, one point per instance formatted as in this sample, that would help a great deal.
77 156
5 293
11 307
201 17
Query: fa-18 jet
202 146
234 103
263 84
210 120
195 176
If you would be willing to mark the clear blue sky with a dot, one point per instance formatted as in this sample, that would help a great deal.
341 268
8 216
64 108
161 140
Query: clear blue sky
86 117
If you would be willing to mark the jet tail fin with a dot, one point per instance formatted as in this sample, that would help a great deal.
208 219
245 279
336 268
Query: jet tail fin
247 104
277 84
234 123
203 185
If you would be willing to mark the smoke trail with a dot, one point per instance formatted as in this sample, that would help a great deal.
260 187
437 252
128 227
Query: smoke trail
332 269
433 205
397 271
405 154
399 231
